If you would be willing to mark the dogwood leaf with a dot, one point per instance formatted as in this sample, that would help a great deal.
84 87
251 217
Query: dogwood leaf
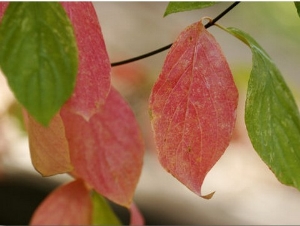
93 80
175 7
69 204
271 115
3 6
38 56
106 151
297 5
193 107
102 212
48 146
136 217
104 215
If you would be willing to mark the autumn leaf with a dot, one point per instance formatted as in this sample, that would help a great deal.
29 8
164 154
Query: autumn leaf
93 79
193 107
51 156
98 132
136 218
106 151
69 204
76 204
3 6
48 146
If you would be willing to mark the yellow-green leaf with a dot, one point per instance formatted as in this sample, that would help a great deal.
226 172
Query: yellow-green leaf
102 212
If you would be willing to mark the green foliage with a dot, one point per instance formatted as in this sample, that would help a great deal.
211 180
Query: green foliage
297 4
38 55
102 212
175 7
271 115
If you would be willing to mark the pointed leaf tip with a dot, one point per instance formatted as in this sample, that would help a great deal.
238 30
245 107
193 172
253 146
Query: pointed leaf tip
193 107
209 196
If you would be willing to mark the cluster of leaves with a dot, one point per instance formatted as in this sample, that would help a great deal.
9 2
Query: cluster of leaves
89 132
271 114
78 124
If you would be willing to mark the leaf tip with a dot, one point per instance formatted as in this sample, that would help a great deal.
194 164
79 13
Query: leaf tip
208 196
166 14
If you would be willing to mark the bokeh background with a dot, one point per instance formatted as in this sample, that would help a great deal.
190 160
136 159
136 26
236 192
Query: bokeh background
246 190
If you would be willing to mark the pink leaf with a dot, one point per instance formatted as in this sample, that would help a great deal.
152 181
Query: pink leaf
93 79
69 204
107 151
193 107
49 148
3 6
136 218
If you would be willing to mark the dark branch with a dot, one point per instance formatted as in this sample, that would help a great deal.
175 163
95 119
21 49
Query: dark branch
222 14
211 23
142 56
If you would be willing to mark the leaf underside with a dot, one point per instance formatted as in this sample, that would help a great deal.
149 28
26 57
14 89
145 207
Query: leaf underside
271 115
193 107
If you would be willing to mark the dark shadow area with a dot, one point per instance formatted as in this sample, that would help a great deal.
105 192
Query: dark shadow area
20 195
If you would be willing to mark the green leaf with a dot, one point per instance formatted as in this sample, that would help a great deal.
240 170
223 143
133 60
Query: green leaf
38 55
102 212
297 4
175 7
271 115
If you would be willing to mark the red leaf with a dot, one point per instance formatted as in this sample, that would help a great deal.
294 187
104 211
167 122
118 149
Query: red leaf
193 107
3 6
93 79
69 204
107 151
49 148
136 218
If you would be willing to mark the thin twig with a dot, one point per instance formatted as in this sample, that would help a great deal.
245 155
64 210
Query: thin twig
211 23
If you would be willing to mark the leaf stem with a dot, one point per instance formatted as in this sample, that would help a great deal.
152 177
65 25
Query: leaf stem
211 23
